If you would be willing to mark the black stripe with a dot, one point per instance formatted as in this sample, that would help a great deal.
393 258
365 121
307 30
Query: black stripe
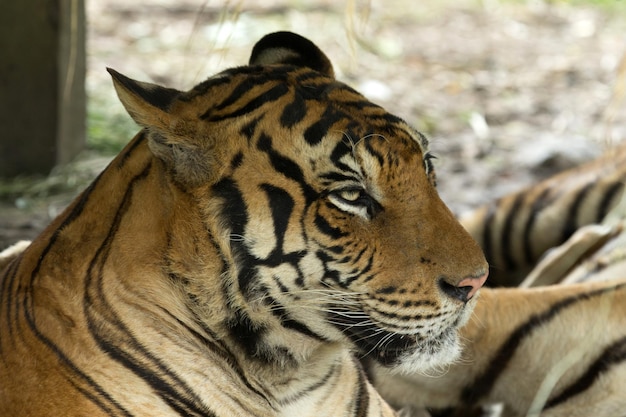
249 129
361 103
314 134
507 236
255 78
349 279
286 166
112 411
614 354
234 364
362 397
128 150
311 87
288 322
74 213
234 209
374 152
213 114
213 343
312 80
385 347
342 148
247 274
201 89
283 288
373 111
308 390
8 294
605 203
324 227
540 202
105 325
245 332
333 177
356 258
485 382
329 274
281 205
488 224
293 112
571 221
235 214
236 161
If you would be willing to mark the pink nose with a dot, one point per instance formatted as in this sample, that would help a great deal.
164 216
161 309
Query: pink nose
472 284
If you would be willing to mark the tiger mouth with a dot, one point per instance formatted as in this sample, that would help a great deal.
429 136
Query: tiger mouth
386 347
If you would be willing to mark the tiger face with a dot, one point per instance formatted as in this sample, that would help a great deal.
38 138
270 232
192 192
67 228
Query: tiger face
320 208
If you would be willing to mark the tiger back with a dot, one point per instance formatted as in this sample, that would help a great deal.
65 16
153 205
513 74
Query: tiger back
262 230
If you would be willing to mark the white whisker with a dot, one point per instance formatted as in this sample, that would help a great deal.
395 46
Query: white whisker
233 237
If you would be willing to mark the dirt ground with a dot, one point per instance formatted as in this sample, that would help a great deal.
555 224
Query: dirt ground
509 92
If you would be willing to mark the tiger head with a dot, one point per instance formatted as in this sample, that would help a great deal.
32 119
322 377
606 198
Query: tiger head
321 221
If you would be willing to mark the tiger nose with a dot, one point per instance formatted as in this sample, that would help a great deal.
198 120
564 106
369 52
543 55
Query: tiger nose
465 289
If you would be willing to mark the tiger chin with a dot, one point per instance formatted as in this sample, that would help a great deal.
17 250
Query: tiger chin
260 234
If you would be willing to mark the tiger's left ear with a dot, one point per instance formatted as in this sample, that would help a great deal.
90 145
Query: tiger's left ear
148 104
171 138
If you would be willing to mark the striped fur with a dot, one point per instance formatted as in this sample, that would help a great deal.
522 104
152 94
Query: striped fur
516 230
262 231
549 351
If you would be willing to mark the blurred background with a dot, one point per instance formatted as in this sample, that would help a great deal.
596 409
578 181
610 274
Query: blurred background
508 91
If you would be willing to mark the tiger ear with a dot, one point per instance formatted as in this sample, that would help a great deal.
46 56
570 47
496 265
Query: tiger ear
170 137
290 49
146 103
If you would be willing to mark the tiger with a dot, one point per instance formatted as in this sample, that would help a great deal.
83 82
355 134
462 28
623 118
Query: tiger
595 252
261 233
516 230
554 346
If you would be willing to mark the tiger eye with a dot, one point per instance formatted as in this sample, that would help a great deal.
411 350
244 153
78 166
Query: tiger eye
350 195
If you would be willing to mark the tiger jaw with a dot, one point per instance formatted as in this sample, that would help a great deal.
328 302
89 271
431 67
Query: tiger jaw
293 330
428 346
434 352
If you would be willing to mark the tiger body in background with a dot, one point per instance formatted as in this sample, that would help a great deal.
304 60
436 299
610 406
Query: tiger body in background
515 231
260 232
555 346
